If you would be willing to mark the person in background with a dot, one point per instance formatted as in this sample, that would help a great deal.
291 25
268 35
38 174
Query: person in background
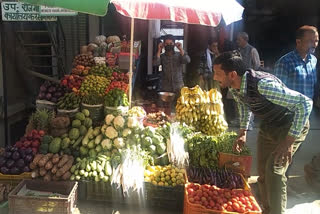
172 64
205 66
284 124
250 57
249 53
297 69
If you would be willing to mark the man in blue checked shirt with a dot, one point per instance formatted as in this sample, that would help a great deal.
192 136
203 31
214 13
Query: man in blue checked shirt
297 69
284 124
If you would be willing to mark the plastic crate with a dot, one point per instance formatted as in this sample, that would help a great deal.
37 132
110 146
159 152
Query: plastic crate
104 191
190 208
20 204
237 163
165 196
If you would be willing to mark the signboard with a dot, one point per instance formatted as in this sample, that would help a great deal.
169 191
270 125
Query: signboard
16 11
56 11
94 7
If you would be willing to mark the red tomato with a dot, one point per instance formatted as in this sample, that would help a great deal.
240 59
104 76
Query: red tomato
243 200
240 195
235 206
196 198
230 209
205 194
233 200
225 205
190 191
241 210
215 192
229 203
246 193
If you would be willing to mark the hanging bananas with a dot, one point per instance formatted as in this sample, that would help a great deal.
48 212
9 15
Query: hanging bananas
202 109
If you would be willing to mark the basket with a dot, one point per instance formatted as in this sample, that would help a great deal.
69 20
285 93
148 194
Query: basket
135 198
25 175
104 191
96 112
44 104
69 113
236 163
165 196
21 204
190 208
120 110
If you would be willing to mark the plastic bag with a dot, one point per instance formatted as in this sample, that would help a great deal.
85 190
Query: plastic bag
44 104
120 110
69 113
96 112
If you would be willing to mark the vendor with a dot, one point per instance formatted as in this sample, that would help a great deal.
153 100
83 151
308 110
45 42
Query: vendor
284 124
171 61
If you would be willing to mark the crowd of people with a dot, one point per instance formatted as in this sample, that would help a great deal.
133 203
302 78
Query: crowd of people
282 101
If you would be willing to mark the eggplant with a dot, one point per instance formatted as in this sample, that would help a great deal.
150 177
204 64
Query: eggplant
28 158
28 151
43 88
22 153
10 163
8 148
20 163
48 96
4 170
14 149
2 161
8 154
26 169
16 155
15 171
51 89
42 96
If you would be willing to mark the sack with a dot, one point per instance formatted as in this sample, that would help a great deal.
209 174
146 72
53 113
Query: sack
69 113
96 112
120 110
44 104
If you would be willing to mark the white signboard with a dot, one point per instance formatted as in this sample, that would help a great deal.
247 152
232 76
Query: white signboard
17 11
56 11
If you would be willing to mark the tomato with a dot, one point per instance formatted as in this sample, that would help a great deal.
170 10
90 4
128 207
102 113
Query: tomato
234 200
211 203
225 200
229 203
235 206
240 195
220 200
246 193
227 194
225 205
230 209
205 203
210 193
199 193
243 200
249 206
241 210
205 194
196 198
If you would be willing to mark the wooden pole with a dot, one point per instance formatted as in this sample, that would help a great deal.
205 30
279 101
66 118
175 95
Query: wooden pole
131 61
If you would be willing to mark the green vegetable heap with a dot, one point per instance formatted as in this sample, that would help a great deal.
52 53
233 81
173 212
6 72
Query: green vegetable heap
116 97
69 101
101 70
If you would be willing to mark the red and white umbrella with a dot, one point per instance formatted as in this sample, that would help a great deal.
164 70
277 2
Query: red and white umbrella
203 12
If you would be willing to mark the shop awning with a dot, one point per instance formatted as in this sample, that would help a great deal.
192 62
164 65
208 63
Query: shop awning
203 12
94 7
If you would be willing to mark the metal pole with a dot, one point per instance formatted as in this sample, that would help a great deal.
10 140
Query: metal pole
131 60
4 83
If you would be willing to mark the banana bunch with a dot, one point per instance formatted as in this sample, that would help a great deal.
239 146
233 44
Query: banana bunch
202 109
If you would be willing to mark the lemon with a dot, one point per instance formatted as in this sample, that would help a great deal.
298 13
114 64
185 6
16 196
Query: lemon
173 180
158 179
163 179
167 178
174 184
170 182
154 182
173 175
157 173
160 183
167 173
152 177
163 175
166 184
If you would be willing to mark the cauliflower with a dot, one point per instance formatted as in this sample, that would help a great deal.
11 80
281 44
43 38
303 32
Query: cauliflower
109 118
106 144
118 122
104 128
111 132
126 132
119 143
132 122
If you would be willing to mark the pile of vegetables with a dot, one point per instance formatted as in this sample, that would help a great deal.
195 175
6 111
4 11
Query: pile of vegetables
15 160
91 143
119 85
59 126
120 77
221 178
84 60
51 167
157 119
225 144
40 120
95 169
80 70
216 199
101 70
30 141
130 172
164 175
94 84
51 91
116 97
151 141
72 82
137 111
202 109
92 99
69 101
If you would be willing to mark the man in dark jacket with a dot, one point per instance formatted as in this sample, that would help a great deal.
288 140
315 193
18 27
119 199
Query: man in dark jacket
284 124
